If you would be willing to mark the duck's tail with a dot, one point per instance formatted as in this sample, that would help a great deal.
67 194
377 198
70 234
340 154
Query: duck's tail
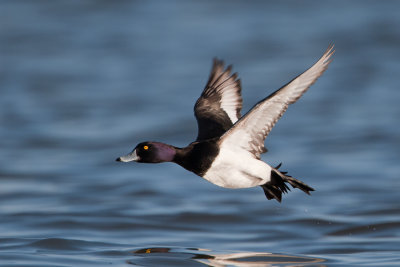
277 185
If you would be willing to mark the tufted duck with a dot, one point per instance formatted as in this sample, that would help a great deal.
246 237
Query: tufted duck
228 147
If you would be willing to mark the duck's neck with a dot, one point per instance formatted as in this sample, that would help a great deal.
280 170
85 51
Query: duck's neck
165 152
180 155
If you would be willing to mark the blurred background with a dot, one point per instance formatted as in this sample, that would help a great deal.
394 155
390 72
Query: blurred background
82 82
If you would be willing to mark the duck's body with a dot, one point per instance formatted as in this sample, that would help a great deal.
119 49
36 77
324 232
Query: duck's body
228 147
233 168
222 166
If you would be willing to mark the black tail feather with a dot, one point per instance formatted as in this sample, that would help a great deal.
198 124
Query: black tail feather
277 185
299 184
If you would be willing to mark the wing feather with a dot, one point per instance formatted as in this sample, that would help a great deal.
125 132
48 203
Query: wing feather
219 105
251 130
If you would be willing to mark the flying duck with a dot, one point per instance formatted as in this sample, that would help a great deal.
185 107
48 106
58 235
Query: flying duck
228 146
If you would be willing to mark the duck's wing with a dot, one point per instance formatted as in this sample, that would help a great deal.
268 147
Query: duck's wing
251 130
219 105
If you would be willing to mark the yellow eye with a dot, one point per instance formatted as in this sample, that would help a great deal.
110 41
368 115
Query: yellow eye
145 147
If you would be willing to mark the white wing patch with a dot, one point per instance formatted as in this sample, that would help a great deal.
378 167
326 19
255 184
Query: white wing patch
230 101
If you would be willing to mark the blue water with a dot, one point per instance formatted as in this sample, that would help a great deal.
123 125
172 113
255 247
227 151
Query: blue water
82 82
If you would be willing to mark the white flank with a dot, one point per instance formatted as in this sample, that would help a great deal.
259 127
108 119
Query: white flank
237 168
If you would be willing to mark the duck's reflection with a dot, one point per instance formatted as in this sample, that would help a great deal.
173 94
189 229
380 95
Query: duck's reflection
239 259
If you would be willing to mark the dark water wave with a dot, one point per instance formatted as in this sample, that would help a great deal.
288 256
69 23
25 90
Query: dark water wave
77 252
160 255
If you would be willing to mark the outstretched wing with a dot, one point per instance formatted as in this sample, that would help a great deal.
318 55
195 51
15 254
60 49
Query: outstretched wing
218 107
251 130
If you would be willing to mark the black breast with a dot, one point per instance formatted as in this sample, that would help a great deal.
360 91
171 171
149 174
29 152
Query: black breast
198 156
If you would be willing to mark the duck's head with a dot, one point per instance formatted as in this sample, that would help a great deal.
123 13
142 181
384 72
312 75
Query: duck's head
150 152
